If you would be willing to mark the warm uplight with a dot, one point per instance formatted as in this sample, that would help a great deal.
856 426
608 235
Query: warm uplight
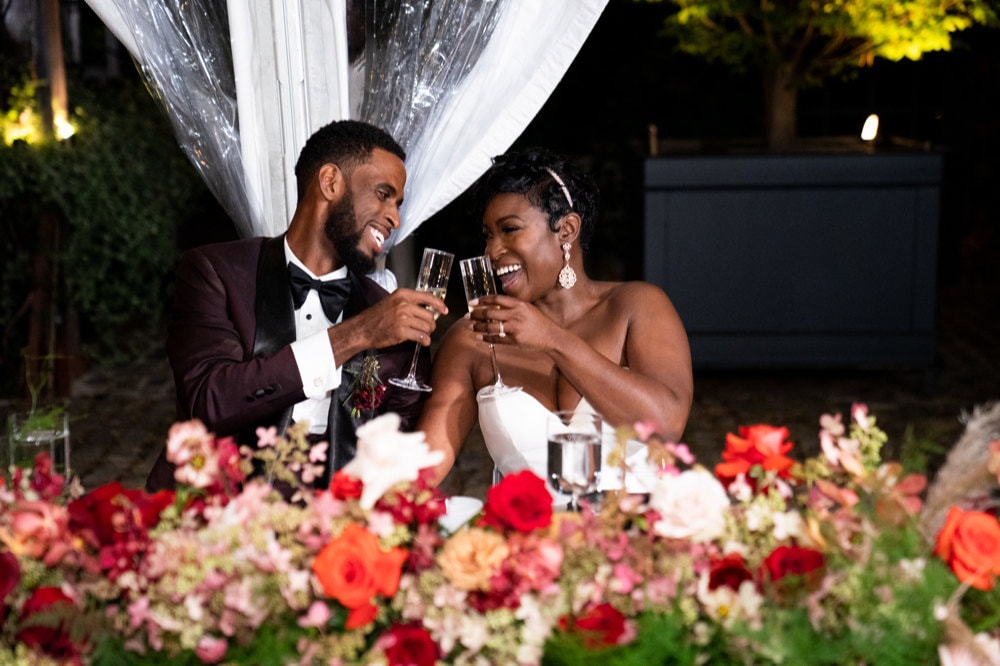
870 129
64 129
25 127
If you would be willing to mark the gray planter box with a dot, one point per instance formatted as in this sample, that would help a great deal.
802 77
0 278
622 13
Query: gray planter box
797 260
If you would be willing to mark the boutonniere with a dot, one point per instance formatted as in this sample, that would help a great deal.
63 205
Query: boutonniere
367 390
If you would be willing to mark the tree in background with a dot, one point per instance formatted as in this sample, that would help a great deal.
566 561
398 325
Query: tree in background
797 43
88 224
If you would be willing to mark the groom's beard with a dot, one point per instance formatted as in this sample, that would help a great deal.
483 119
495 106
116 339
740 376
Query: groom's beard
341 229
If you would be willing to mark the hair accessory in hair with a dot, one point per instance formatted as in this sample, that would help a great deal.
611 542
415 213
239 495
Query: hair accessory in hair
562 185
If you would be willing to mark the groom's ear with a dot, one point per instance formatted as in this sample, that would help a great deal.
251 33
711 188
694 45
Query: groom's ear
569 228
332 183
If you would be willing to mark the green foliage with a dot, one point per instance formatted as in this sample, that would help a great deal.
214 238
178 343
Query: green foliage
923 451
662 639
819 38
119 189
270 646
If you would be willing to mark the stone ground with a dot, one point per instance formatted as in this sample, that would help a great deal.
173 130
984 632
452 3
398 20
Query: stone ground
120 417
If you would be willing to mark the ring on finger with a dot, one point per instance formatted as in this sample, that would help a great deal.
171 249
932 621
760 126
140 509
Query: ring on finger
501 334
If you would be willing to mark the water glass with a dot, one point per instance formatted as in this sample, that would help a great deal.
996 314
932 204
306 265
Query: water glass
574 456
34 431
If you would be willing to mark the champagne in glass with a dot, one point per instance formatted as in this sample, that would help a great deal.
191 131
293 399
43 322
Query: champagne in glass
478 280
574 459
435 268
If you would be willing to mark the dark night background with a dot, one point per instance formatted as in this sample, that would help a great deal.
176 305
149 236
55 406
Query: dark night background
627 77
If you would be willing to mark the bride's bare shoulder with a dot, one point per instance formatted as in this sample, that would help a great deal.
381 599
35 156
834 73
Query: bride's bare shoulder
634 293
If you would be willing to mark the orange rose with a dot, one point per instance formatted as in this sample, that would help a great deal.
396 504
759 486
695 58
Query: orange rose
755 445
969 543
353 568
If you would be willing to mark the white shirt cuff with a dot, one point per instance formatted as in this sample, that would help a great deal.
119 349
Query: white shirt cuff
317 367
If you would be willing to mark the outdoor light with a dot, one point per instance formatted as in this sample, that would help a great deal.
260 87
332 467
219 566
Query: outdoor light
63 128
870 129
27 126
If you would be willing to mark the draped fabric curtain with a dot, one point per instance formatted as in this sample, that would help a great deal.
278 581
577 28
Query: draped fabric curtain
246 82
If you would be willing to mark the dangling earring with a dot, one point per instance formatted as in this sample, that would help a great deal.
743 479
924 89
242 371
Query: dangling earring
567 276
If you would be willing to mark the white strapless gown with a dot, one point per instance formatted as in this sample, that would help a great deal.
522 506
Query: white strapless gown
514 429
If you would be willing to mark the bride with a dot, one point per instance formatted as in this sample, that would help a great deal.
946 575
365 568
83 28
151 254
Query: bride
614 348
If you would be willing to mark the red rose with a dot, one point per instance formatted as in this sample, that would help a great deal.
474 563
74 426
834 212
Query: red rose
113 513
47 636
343 486
408 645
600 626
729 572
369 398
803 565
10 578
520 502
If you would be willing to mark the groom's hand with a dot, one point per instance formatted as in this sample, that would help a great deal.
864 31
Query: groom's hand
405 315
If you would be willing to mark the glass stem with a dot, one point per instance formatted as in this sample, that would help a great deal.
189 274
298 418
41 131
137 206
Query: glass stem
496 368
413 364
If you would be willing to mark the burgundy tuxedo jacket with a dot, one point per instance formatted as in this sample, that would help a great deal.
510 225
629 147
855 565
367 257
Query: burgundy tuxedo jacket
229 349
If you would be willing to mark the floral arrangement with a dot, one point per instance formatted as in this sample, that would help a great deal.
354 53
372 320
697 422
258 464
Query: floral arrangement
761 560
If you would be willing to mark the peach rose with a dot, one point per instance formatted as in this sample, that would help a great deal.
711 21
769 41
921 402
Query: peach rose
470 558
969 543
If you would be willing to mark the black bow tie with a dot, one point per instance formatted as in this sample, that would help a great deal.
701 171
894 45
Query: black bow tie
332 293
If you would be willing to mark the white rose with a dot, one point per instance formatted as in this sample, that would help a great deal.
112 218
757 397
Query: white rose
387 456
692 505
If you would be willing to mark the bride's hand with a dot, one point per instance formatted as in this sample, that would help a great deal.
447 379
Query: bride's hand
504 320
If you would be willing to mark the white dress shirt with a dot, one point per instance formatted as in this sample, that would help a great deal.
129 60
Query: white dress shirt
313 354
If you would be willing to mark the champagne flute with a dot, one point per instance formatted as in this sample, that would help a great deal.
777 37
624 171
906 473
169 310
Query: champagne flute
435 268
574 462
478 280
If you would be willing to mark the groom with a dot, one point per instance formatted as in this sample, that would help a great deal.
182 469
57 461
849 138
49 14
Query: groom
267 331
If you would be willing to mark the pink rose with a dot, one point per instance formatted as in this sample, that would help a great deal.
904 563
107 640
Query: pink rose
211 650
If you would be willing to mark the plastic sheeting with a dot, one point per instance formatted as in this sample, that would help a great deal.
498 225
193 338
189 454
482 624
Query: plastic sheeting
183 52
416 62
456 81
528 52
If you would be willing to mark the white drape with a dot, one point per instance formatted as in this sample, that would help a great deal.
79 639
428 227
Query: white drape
529 52
243 116
290 62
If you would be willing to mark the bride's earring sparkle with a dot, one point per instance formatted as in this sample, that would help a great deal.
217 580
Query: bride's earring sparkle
567 276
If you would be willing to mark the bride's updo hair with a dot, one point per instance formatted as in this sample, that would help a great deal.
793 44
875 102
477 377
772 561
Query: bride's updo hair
550 182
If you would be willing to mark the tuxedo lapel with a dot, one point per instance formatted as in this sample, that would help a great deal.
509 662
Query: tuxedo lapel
274 312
